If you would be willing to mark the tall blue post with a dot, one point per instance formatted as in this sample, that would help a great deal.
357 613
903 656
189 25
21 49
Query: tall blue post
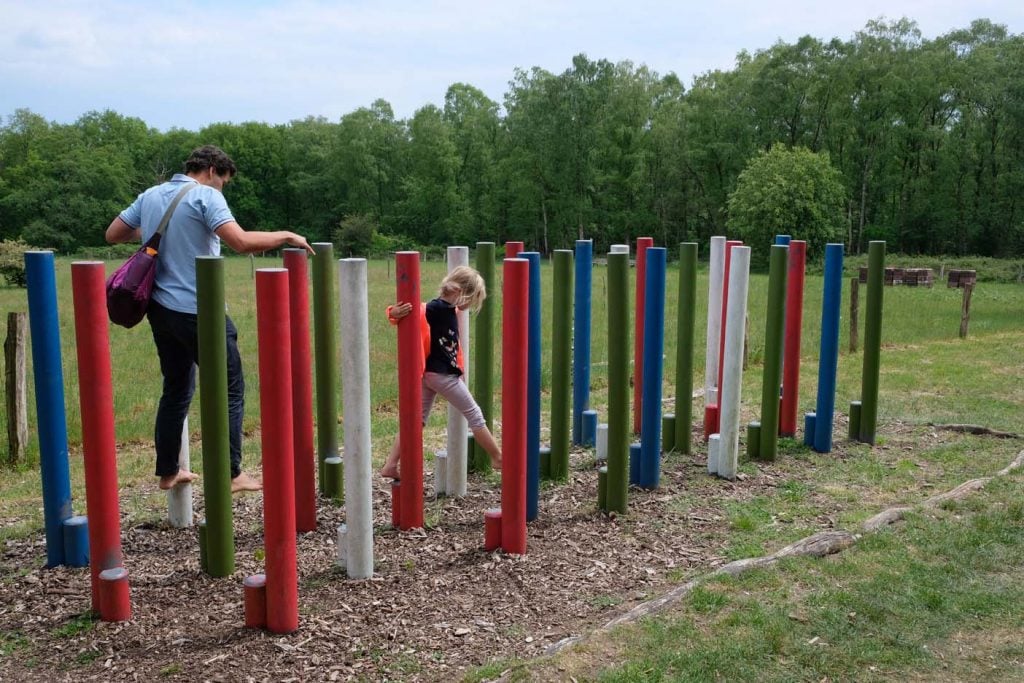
533 388
49 383
654 343
581 337
783 240
828 361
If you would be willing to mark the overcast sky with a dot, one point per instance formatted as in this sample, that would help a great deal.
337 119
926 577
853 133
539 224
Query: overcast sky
187 63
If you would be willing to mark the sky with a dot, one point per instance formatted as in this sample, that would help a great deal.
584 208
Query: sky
186 64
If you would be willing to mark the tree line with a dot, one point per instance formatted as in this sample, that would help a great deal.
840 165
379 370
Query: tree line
926 138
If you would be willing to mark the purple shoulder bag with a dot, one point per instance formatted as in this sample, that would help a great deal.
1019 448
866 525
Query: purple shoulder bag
130 286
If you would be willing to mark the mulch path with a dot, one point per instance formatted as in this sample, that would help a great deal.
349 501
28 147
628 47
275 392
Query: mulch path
437 606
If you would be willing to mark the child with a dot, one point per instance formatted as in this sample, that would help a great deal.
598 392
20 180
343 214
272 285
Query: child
462 289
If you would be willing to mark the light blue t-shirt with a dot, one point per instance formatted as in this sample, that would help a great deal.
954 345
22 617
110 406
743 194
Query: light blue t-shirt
189 234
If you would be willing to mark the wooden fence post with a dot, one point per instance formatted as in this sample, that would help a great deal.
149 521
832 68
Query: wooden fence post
965 310
854 312
14 359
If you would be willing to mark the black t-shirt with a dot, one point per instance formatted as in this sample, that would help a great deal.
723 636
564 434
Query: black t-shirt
444 338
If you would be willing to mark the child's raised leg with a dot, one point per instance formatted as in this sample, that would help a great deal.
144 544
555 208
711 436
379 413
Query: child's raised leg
390 469
483 436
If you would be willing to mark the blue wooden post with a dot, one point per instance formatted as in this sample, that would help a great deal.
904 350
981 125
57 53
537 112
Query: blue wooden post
533 388
49 383
828 361
581 337
654 343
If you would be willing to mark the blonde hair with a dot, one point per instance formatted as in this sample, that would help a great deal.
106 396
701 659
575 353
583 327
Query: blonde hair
468 284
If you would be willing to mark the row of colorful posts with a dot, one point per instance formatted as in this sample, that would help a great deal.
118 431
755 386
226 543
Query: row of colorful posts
291 459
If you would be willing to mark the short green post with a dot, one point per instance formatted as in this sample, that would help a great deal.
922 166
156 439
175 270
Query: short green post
668 433
855 421
684 345
334 482
325 355
483 350
602 488
213 413
754 440
774 328
619 427
545 463
872 342
204 563
471 453
561 364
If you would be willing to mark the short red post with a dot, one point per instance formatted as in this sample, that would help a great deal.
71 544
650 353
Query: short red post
96 398
274 339
513 249
791 351
721 337
396 504
492 529
115 601
255 599
642 243
710 420
410 376
296 261
514 324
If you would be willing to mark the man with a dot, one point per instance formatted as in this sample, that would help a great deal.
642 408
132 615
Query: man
198 225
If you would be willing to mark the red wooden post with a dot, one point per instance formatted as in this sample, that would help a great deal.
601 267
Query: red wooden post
296 262
274 334
514 322
410 391
512 249
96 396
721 337
254 592
794 323
642 243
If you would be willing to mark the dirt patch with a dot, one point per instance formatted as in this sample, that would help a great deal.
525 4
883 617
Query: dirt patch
437 606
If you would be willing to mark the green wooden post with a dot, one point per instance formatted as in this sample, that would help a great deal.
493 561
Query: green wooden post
561 364
684 345
213 413
872 342
483 351
774 329
325 355
619 427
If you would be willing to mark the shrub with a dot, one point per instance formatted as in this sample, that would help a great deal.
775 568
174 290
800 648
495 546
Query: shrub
355 235
790 192
12 262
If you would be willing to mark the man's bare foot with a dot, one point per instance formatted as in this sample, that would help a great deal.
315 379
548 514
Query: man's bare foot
389 473
180 477
243 482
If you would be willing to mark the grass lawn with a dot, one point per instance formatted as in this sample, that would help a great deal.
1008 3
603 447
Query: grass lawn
933 598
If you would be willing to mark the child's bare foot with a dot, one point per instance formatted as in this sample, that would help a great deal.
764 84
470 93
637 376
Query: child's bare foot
389 473
180 477
243 482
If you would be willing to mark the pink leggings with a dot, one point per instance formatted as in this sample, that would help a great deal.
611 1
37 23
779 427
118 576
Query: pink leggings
454 390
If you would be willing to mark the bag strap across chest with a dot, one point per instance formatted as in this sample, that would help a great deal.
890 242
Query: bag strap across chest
155 239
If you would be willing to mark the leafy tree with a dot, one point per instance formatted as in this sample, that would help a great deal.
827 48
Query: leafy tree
355 235
787 191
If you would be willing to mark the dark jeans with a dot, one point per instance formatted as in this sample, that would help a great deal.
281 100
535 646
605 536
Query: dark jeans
177 344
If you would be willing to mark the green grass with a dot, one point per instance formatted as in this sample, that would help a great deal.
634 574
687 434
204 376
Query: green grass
77 626
937 598
934 582
912 316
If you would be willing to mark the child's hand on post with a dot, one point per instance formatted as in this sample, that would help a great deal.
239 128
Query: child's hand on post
400 310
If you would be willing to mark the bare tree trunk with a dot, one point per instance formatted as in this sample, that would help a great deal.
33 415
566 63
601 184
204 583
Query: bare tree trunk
17 411
544 214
